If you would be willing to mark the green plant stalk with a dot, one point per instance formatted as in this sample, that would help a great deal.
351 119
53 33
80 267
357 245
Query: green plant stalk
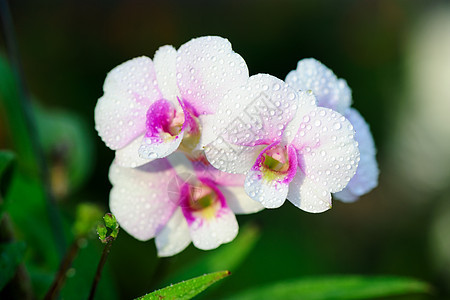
100 266
26 114
60 277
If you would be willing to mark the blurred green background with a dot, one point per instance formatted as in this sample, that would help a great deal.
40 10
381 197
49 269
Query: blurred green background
395 55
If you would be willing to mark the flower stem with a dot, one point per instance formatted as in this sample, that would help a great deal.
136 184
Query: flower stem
30 124
60 277
100 266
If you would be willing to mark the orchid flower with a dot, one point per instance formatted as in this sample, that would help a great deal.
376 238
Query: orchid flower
285 145
152 108
335 94
178 201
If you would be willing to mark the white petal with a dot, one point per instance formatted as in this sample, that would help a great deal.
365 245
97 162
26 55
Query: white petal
207 133
139 198
271 194
130 89
306 103
151 149
366 177
232 158
238 200
250 116
308 195
209 234
181 163
327 151
129 155
205 170
258 111
207 68
330 91
166 72
174 237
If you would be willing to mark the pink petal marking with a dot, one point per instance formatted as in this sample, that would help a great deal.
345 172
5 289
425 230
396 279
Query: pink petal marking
188 192
159 119
275 151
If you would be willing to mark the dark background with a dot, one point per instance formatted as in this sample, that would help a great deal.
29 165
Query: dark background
400 228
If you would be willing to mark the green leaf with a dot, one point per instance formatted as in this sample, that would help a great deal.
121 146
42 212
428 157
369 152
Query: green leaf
337 287
227 257
6 158
186 289
25 189
11 255
6 163
9 99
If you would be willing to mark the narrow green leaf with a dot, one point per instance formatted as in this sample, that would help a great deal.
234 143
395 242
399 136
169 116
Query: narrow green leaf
187 289
6 163
337 287
227 257
9 99
6 158
11 255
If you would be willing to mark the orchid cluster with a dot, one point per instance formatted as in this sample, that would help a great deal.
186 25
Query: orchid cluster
197 140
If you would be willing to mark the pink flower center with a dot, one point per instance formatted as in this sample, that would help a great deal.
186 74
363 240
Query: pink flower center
165 122
276 159
201 197
175 124
201 200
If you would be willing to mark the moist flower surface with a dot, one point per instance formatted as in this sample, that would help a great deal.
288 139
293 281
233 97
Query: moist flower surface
284 143
179 201
334 93
197 141
151 108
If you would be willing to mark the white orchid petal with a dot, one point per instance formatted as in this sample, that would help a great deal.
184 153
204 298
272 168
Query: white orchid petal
120 114
139 198
174 237
251 117
330 91
327 151
271 194
166 72
366 177
207 68
151 149
307 195
129 155
238 200
210 233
